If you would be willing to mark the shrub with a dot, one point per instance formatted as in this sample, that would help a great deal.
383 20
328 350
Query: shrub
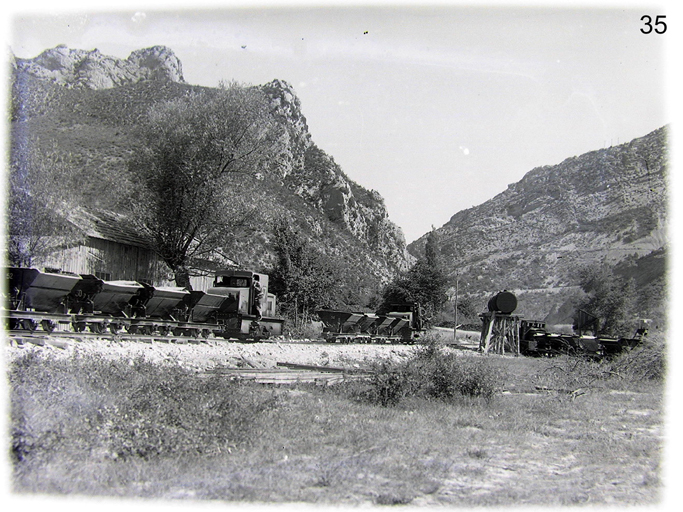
125 408
388 385
645 362
432 373
570 373
446 375
302 330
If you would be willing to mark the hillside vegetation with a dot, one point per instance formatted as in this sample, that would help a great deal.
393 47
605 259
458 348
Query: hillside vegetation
606 207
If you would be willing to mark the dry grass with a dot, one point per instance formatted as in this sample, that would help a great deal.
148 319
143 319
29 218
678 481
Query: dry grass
317 445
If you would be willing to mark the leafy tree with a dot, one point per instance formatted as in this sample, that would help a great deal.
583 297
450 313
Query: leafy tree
304 279
41 193
424 283
199 153
611 298
467 311
432 250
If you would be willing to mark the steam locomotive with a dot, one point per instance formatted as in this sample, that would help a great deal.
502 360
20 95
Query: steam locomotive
231 308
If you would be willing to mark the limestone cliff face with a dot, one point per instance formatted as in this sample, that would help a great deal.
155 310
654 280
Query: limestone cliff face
313 175
91 69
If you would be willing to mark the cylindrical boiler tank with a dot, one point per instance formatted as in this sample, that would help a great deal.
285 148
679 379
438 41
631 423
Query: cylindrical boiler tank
503 302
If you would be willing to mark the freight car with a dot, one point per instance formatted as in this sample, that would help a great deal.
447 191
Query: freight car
403 325
530 337
535 340
231 308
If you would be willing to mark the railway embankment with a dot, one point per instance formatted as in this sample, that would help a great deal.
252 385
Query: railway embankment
211 353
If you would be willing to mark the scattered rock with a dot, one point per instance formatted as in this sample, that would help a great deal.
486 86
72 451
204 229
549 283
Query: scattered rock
228 354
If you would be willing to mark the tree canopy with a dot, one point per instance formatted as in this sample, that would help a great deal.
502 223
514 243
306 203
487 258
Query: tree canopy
303 278
423 283
198 154
611 298
41 192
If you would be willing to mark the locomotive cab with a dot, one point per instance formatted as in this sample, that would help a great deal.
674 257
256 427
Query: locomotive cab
249 309
239 286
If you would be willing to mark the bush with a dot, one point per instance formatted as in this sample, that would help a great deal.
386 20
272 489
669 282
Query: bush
571 373
432 373
125 408
446 375
302 330
388 385
645 362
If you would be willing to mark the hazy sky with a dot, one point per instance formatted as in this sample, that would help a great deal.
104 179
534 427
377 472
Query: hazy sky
437 108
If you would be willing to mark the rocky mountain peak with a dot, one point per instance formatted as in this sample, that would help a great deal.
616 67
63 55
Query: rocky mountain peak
91 69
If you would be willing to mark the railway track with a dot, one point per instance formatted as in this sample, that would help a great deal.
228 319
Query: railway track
36 337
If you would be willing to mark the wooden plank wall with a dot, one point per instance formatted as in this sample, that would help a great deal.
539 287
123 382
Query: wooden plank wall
121 262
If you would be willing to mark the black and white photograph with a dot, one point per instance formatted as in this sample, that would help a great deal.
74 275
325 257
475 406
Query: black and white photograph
336 255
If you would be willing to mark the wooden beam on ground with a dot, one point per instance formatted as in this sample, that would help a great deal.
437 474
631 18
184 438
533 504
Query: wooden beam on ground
332 369
277 376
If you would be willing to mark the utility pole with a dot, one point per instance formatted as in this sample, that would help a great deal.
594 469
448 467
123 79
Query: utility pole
455 307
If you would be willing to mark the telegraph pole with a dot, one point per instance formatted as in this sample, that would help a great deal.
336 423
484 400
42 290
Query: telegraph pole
455 307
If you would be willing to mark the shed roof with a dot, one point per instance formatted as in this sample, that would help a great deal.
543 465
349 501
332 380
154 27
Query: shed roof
107 225
116 227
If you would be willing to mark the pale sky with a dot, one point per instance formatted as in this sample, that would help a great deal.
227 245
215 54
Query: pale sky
437 108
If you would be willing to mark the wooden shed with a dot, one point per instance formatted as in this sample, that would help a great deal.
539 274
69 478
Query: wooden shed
110 250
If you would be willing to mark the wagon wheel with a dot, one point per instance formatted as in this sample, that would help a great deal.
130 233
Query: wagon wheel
132 329
96 327
255 332
29 325
206 333
163 330
48 325
114 328
78 326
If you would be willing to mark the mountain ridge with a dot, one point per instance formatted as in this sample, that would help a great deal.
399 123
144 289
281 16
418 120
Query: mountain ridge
601 207
604 206
74 68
